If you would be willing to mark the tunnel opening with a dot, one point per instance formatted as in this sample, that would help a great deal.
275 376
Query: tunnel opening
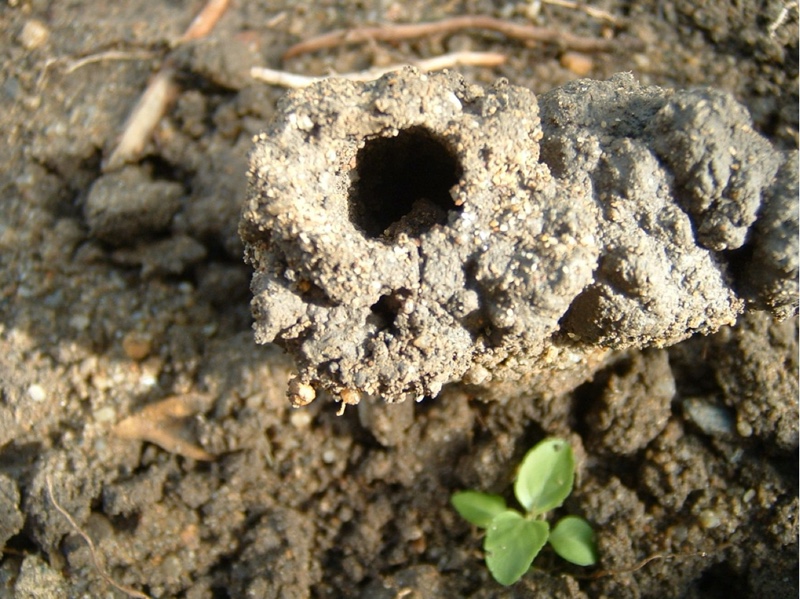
386 309
403 184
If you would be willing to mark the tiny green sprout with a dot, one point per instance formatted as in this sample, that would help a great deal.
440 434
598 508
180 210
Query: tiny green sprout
513 540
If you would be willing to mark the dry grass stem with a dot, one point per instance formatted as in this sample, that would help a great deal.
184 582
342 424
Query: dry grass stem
589 10
454 59
294 81
109 55
141 123
394 33
131 592
160 93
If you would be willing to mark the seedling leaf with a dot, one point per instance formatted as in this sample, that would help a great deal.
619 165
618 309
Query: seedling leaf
573 539
545 476
478 508
512 542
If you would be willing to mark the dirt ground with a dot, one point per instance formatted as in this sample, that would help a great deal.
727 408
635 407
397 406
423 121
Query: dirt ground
134 398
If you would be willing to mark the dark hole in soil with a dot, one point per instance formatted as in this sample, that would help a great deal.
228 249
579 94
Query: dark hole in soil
403 184
383 309
388 306
21 545
720 581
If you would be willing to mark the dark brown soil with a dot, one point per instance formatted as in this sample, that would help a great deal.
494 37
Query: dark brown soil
687 455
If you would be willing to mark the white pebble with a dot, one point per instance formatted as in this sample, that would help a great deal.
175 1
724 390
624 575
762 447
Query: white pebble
106 414
300 418
37 393
709 519
33 35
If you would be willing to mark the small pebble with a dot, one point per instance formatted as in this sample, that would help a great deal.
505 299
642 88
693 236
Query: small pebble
709 519
300 419
106 414
578 63
301 394
37 393
137 346
148 379
713 419
476 375
34 34
744 428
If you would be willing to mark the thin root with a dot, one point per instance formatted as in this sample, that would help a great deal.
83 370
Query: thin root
641 564
108 55
131 592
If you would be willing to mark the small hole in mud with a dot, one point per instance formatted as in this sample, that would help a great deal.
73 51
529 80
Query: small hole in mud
403 184
313 294
387 307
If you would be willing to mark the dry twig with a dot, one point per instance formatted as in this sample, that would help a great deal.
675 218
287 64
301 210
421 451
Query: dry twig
161 423
160 93
205 20
394 33
141 123
292 80
131 592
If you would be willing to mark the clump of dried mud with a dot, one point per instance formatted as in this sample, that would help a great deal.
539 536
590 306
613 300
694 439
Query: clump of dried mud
418 231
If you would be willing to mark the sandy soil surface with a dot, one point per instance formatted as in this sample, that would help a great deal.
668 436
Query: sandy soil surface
134 398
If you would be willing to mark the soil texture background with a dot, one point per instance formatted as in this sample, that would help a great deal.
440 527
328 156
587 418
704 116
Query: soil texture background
134 398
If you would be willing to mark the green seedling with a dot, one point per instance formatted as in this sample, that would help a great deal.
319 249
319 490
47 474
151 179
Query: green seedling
513 539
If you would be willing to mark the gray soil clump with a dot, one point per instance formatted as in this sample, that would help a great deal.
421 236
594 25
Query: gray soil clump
755 365
124 205
418 231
